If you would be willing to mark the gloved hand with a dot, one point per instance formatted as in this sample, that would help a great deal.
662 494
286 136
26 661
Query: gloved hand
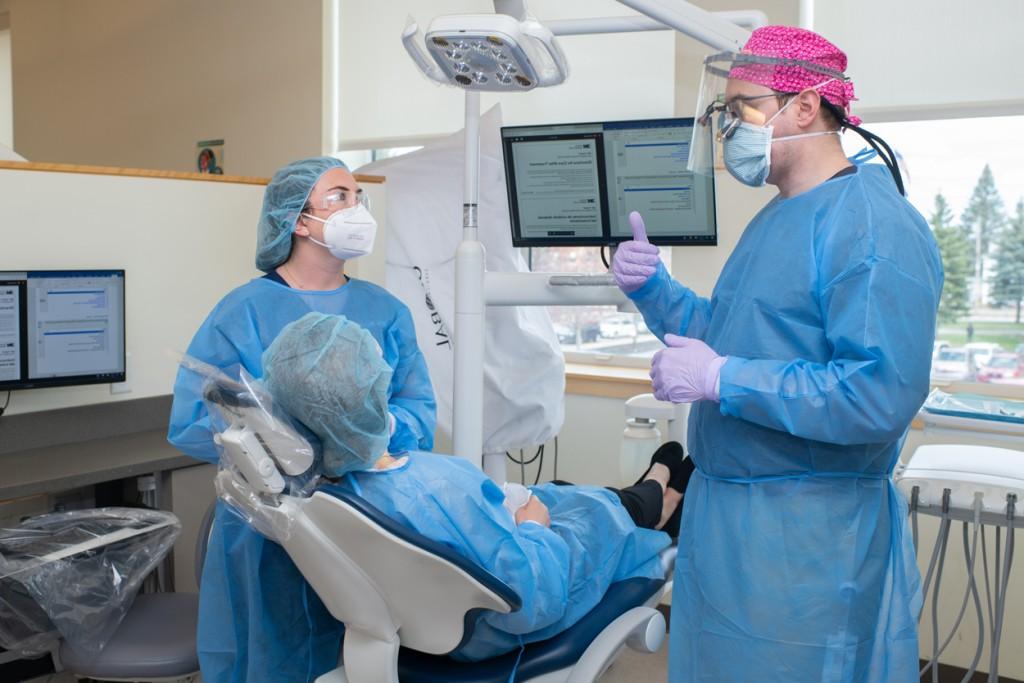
686 371
635 261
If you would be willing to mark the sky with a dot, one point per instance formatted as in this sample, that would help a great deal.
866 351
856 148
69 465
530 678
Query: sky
949 155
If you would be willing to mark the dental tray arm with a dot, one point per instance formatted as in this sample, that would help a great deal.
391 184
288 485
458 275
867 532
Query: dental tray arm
256 442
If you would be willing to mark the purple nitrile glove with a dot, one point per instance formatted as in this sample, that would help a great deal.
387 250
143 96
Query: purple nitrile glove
635 261
686 371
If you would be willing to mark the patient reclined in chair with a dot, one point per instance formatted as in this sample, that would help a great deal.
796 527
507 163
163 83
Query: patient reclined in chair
323 374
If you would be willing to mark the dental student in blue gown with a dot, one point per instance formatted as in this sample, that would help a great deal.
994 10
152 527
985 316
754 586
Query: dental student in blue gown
259 620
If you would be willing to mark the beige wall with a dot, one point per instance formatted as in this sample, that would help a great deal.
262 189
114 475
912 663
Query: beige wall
137 84
6 108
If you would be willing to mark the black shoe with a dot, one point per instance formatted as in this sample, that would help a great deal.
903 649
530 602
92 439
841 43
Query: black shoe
680 477
671 455
681 468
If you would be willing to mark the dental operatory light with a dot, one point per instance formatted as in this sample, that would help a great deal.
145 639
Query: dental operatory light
493 52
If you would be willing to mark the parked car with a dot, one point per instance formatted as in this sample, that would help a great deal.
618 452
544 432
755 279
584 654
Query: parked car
939 345
951 364
589 332
565 334
981 352
1001 366
619 326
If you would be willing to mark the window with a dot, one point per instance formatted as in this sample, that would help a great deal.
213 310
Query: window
966 179
360 157
600 334
6 94
594 333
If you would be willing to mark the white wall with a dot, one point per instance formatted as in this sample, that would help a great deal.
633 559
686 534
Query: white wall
182 243
929 56
385 99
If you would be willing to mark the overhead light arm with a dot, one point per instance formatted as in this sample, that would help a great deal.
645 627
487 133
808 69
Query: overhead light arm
747 19
693 21
514 8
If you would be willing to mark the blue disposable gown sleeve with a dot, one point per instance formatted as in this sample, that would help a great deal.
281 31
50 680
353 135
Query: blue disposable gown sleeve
189 430
534 561
412 395
670 308
880 323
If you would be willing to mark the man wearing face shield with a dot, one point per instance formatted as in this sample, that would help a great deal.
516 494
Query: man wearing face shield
255 608
805 367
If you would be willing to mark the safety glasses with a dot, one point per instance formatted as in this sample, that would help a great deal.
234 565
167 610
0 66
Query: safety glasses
339 198
732 112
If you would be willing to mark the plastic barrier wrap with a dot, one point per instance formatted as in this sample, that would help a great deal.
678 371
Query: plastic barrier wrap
74 575
975 406
239 407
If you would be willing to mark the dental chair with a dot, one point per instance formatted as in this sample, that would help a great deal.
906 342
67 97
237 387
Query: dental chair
407 602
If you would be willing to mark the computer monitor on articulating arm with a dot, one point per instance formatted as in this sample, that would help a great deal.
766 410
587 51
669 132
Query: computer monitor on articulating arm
576 184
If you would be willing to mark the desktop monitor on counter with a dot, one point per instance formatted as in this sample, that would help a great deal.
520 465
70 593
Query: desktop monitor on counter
61 328
576 184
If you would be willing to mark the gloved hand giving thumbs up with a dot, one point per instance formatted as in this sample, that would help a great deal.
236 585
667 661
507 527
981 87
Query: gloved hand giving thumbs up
635 261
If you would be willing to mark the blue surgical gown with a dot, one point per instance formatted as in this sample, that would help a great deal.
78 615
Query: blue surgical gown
561 573
258 618
794 559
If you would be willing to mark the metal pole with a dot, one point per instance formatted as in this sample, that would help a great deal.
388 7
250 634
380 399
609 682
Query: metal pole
750 19
467 404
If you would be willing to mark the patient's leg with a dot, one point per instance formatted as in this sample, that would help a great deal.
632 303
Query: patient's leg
654 502
644 501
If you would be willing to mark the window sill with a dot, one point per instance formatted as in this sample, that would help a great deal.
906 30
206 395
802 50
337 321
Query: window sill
606 381
619 382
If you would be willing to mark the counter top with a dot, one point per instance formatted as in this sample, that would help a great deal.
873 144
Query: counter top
61 467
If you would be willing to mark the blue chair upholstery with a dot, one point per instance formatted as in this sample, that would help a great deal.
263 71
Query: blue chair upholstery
540 658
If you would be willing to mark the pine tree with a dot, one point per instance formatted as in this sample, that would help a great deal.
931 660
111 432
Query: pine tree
983 219
955 250
1008 279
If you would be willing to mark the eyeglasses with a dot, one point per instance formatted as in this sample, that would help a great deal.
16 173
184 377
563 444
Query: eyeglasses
337 199
732 112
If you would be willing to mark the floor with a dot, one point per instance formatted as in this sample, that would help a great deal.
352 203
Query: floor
629 667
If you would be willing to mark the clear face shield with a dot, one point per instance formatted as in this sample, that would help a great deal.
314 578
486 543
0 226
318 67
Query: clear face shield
728 98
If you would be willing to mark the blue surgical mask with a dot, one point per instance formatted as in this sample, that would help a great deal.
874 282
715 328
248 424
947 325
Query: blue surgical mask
748 153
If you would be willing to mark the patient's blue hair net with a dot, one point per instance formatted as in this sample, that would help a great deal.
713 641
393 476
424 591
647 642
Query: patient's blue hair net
282 203
328 373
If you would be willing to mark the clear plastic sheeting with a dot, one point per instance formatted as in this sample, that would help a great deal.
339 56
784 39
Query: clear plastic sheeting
975 406
263 452
74 575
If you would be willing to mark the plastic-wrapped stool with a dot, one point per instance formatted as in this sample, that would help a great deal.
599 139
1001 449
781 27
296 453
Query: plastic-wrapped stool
74 576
